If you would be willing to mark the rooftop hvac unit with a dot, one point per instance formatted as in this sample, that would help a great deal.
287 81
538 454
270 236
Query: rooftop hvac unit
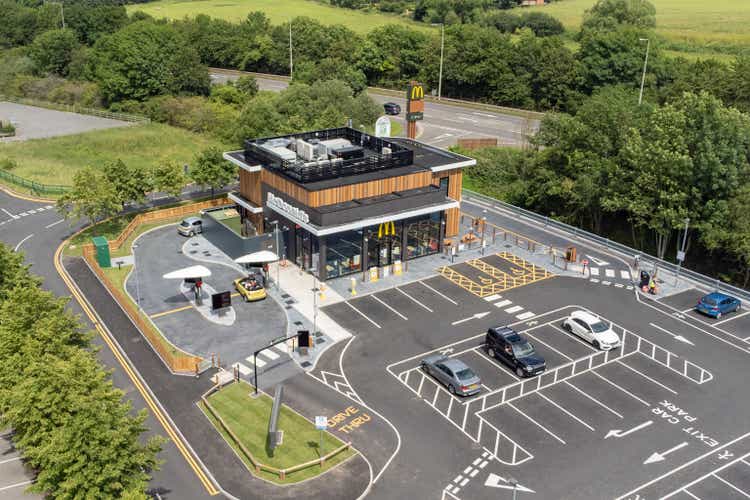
281 152
281 142
321 151
305 150
332 144
349 152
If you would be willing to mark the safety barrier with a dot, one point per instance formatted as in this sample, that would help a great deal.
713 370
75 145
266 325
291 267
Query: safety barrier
259 466
519 240
626 251
36 188
101 113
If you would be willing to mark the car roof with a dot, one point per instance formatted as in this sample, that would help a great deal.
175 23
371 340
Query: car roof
510 334
192 219
718 296
455 364
585 316
390 104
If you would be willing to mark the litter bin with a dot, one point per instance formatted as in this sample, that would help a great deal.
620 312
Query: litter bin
570 254
102 251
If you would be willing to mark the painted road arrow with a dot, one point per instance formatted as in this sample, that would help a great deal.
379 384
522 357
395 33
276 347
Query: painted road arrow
676 337
495 481
445 352
660 456
598 262
476 316
618 433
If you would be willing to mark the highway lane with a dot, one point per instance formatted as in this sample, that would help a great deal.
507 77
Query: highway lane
443 124
175 479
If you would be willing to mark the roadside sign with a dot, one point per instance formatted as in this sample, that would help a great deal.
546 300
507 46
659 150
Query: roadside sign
321 422
680 255
383 127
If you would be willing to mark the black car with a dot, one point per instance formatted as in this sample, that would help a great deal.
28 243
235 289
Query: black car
391 108
514 350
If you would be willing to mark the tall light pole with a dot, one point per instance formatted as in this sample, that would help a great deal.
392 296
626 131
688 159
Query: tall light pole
442 51
681 253
291 58
645 63
278 254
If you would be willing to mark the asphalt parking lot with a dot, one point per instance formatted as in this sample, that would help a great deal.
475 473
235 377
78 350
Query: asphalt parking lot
14 477
588 426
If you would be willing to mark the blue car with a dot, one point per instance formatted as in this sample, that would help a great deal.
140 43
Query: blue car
715 304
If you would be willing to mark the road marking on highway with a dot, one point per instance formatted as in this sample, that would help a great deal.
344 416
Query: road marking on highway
171 311
493 298
11 486
54 224
503 303
363 314
594 400
21 242
691 494
610 273
514 309
731 485
10 460
526 315
440 294
537 424
474 316
647 377
594 271
414 300
389 307
620 433
659 456
646 403
674 336
733 317
624 274
597 261
565 411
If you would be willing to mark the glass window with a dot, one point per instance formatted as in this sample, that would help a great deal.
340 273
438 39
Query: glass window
343 253
423 235
384 244
444 185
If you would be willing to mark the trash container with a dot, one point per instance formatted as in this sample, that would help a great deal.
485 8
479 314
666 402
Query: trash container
570 254
102 251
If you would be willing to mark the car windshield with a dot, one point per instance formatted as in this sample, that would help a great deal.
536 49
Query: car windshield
523 350
599 327
710 301
465 374
184 223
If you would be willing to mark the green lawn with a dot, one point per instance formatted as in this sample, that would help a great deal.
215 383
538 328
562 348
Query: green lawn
248 418
694 22
278 11
55 160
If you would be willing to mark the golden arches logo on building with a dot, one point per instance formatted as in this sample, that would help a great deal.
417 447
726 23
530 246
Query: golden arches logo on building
416 93
386 228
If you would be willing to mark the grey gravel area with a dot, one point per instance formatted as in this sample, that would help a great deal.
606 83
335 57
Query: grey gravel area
37 123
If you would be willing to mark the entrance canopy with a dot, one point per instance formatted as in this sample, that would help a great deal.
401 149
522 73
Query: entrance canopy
188 272
257 258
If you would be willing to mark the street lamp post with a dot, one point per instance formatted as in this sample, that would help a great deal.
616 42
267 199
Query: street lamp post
278 254
681 253
291 59
645 63
315 303
442 50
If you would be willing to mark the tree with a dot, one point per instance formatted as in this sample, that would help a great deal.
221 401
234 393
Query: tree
609 14
15 272
90 21
91 196
169 177
52 51
130 183
730 233
739 83
541 24
248 85
210 169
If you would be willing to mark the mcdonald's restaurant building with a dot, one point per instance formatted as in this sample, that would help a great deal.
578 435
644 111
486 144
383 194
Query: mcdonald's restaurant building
347 202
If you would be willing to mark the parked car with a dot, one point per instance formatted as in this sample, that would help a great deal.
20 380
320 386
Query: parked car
190 226
592 329
514 350
715 304
391 108
453 374
251 287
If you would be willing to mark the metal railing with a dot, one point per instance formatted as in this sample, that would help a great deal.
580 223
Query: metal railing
626 251
101 113
36 188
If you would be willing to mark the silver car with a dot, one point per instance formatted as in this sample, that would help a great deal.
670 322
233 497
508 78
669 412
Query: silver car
453 374
190 226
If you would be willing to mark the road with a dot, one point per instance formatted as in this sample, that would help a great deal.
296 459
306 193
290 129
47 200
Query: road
443 124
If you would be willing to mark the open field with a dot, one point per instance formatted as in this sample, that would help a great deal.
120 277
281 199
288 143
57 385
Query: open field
55 160
278 11
704 26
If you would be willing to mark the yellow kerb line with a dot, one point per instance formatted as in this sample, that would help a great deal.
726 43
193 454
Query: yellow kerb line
178 309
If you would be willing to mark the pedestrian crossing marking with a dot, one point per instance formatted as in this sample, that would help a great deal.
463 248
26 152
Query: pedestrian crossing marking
492 298
610 273
259 363
269 354
594 271
282 347
514 309
625 274
526 315
606 283
503 303
244 370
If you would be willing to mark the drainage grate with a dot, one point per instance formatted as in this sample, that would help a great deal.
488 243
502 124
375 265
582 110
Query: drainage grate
297 323
285 295
305 364
191 252
290 301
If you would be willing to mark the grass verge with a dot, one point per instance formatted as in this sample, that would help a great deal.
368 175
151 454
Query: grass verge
57 159
248 418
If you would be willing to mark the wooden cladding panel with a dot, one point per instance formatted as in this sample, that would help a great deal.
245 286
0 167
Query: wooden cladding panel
455 181
452 218
250 186
285 186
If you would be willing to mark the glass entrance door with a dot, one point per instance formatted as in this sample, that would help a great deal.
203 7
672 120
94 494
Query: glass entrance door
383 249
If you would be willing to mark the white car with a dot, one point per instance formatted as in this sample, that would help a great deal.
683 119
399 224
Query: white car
592 329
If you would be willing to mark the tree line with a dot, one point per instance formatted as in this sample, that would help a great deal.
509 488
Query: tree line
67 419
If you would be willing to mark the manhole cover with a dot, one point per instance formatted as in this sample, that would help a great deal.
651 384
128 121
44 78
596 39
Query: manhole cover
195 243
287 307
508 246
297 323
320 341
318 334
290 301
306 364
285 295
191 252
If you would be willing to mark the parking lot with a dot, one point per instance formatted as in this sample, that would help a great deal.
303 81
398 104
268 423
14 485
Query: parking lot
14 476
605 411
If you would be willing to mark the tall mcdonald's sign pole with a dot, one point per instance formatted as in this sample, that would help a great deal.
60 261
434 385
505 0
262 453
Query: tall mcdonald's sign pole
414 108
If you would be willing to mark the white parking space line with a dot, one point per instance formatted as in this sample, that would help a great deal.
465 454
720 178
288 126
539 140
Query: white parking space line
54 224
691 494
514 309
546 344
21 242
647 377
10 214
735 488
389 307
269 354
413 299
624 274
9 460
745 462
526 315
493 298
594 400
646 403
594 271
442 295
503 303
565 411
731 318
537 424
610 273
687 310
363 314
11 486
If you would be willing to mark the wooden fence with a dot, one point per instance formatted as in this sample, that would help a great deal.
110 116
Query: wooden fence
476 143
258 465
